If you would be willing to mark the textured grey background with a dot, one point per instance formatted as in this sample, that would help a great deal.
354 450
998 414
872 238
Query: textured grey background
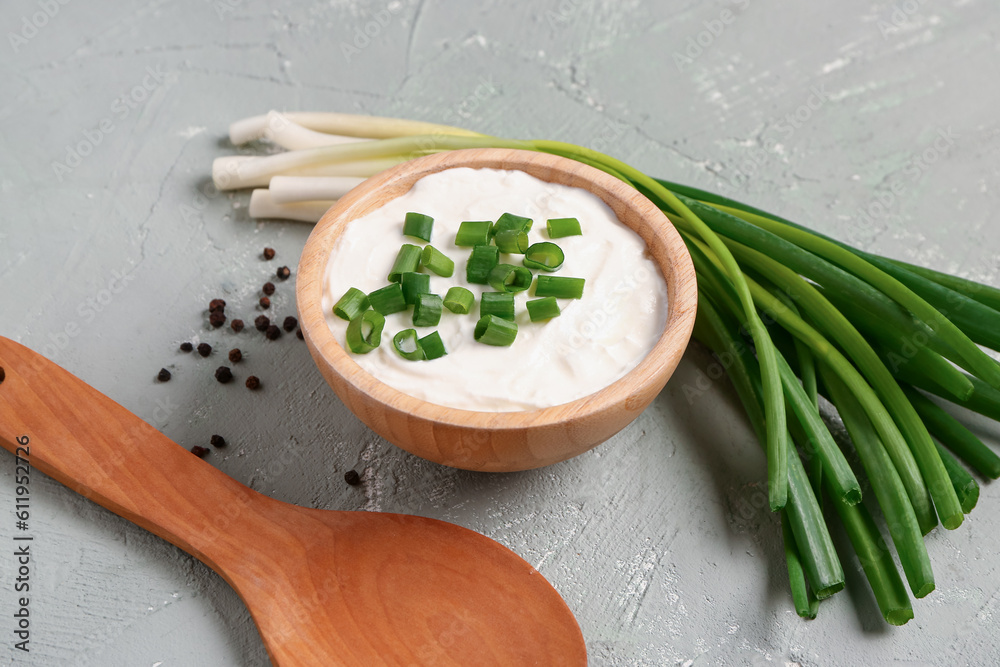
656 539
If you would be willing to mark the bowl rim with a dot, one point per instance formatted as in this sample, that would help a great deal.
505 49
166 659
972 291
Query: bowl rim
656 366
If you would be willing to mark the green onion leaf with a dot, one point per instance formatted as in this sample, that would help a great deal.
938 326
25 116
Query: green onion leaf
473 233
543 256
459 300
509 221
432 346
509 278
493 330
414 284
560 227
481 262
364 333
418 226
353 303
437 261
542 309
407 260
500 304
388 300
407 345
512 241
559 286
427 310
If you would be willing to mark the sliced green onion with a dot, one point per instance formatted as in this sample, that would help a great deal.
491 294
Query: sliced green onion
388 300
500 304
437 261
361 341
407 338
418 226
544 256
414 284
512 241
459 300
407 260
509 278
427 310
493 330
509 221
473 232
542 309
560 227
559 286
353 303
432 346
481 262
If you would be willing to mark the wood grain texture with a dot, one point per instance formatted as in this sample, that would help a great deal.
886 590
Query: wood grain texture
324 588
499 441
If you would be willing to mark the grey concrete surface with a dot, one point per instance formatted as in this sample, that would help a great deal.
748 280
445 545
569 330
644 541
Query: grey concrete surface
873 121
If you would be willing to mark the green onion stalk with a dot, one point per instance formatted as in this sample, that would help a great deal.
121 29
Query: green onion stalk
875 336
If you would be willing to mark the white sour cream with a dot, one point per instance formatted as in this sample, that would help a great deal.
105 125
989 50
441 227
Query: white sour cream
595 341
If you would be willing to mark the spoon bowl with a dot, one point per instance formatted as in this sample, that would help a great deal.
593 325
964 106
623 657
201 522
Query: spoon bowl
323 587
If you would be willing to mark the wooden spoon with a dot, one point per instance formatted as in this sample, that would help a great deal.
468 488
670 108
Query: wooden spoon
324 588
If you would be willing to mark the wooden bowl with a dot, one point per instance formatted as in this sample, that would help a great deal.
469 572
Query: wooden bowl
499 441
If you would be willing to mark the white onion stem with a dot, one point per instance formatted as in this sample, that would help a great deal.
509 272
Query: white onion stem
290 189
262 205
228 172
347 125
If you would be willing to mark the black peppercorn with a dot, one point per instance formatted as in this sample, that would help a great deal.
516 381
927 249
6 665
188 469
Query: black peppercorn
253 382
265 303
223 374
284 272
352 477
215 305
262 322
218 441
217 318
186 347
268 288
237 325
163 375
298 334
235 355
3 374
199 451
204 349
268 253
289 324
273 332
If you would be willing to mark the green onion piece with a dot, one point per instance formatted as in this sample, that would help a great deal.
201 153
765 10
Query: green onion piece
500 304
437 261
414 284
542 309
433 346
427 310
361 341
388 300
459 300
509 221
407 338
560 227
481 262
418 226
493 330
473 232
544 256
512 241
559 286
509 278
353 303
407 260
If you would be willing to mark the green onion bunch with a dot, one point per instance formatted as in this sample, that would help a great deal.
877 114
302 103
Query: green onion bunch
795 315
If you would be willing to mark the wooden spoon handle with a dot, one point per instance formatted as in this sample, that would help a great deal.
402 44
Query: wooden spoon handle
81 438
